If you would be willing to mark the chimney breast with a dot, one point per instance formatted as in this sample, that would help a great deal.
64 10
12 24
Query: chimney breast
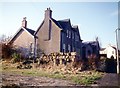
48 13
24 22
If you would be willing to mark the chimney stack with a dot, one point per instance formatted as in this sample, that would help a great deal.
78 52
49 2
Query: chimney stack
48 13
24 22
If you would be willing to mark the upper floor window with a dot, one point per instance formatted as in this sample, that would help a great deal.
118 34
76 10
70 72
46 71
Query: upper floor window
73 35
64 48
67 33
76 37
73 48
69 48
112 52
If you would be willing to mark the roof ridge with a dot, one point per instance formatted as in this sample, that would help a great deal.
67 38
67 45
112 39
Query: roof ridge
65 19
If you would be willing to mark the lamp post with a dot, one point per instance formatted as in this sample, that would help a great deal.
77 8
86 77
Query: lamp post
118 70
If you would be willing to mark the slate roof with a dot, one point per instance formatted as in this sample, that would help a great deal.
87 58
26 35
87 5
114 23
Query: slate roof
92 43
62 24
64 20
30 31
102 49
75 26
57 23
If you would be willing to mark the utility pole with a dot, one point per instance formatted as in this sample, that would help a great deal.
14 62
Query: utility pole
118 70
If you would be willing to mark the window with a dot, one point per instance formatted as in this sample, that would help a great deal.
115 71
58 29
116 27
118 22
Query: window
69 48
31 47
67 33
76 37
73 48
64 48
72 35
112 52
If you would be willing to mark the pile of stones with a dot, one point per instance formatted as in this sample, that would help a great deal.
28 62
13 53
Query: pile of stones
58 59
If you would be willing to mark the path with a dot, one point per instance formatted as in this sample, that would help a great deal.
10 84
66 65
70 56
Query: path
33 81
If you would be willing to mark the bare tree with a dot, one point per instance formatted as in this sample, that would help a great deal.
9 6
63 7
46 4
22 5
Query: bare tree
4 38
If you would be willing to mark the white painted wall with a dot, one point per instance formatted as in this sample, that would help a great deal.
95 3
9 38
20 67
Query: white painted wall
111 52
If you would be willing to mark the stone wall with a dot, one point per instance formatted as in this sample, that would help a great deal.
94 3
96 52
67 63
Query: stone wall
60 59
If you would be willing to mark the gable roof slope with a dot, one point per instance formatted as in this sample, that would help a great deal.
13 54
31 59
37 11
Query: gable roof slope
29 31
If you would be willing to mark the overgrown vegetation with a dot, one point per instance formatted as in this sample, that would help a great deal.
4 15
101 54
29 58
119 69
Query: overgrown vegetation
16 57
83 78
6 50
108 65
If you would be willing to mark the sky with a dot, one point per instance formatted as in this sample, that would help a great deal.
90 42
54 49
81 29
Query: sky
95 19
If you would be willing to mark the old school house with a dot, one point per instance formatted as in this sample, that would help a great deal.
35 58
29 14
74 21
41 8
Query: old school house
51 36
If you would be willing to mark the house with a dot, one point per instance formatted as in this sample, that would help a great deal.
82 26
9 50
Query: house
53 36
23 40
90 49
57 35
109 51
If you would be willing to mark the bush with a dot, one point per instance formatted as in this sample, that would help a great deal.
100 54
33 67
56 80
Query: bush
110 66
15 57
6 50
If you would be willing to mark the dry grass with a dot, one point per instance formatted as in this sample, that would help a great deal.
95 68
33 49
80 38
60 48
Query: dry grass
84 77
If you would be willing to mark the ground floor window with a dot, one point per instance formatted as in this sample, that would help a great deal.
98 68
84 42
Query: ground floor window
64 48
69 48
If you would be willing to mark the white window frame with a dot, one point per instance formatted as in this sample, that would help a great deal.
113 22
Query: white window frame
69 48
67 33
73 35
64 47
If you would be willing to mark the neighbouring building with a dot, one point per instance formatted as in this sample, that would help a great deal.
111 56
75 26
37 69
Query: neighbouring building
23 40
109 51
90 49
57 35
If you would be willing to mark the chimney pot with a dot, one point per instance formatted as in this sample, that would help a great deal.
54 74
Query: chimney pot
48 13
24 22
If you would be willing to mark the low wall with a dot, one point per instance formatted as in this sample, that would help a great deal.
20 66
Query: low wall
60 58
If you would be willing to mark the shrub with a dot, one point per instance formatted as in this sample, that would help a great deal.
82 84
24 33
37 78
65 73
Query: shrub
16 57
6 50
110 66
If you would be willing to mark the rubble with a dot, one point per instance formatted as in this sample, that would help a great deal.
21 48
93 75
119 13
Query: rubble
64 62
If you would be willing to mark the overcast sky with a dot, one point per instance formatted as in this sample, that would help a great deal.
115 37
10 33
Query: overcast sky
93 18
